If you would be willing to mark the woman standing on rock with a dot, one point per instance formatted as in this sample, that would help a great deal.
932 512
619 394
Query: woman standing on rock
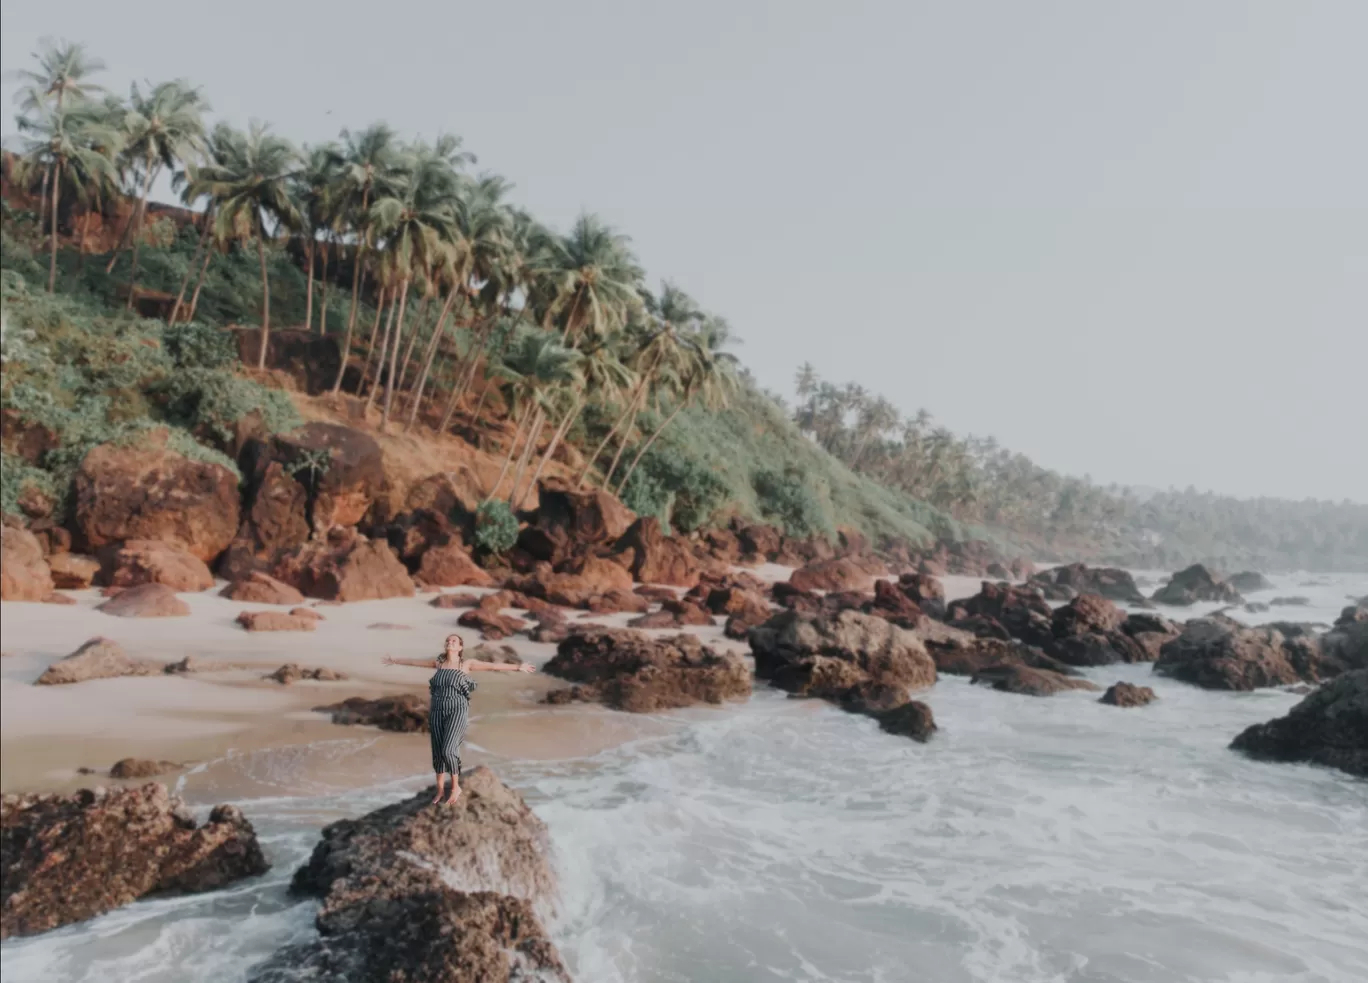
449 712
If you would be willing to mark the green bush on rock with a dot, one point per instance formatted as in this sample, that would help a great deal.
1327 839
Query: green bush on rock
496 527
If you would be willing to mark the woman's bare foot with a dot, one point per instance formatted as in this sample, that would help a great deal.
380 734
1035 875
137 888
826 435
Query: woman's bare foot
441 790
455 794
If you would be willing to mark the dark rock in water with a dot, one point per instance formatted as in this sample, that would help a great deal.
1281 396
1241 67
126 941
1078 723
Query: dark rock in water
912 719
407 713
1127 695
630 670
1098 649
826 656
1151 632
1219 653
1354 613
1329 727
1248 582
1020 609
1290 602
1194 584
428 894
1086 613
968 655
1109 582
67 858
1345 646
1028 681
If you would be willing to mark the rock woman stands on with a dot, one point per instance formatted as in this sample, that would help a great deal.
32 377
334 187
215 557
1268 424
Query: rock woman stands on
449 713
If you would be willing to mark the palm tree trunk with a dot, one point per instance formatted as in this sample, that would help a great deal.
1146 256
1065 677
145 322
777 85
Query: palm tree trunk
413 340
622 444
43 195
347 339
357 261
537 421
427 360
556 438
647 446
138 213
308 296
384 347
466 374
265 298
570 318
508 459
392 381
52 260
375 336
589 464
323 311
190 270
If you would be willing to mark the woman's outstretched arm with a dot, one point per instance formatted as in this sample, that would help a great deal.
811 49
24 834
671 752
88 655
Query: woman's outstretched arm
390 660
472 665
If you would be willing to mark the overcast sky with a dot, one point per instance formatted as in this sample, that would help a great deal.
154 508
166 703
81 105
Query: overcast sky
1127 239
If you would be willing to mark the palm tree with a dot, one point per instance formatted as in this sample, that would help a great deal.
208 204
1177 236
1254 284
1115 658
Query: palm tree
163 128
312 189
592 279
251 184
366 163
72 142
61 73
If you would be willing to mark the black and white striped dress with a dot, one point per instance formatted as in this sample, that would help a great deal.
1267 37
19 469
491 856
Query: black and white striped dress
448 717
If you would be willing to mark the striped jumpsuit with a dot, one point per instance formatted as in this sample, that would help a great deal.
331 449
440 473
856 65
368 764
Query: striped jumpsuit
448 717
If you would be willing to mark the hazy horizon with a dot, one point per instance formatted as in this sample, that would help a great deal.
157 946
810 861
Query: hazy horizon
1129 243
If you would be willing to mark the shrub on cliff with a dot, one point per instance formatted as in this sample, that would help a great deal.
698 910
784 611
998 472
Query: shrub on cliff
496 527
787 498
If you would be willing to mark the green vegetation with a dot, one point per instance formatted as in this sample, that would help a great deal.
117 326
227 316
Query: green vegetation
496 527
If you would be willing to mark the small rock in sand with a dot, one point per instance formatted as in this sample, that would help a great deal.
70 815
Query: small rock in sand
142 768
274 621
145 601
98 658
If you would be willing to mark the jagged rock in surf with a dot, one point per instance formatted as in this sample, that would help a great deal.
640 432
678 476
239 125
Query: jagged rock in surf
1329 727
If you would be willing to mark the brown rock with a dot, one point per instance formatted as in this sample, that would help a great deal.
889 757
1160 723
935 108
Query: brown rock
132 768
676 613
597 574
449 601
1028 681
307 613
24 575
568 522
1329 727
292 673
616 601
1127 695
262 588
98 658
451 566
911 719
655 558
348 567
145 601
1022 611
72 571
1086 613
738 602
70 858
551 627
837 574
274 621
57 597
406 713
1219 653
1109 582
492 626
350 480
498 654
1196 583
967 655
141 561
429 895
629 670
278 518
152 493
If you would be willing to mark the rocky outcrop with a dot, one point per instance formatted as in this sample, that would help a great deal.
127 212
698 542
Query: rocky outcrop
24 574
911 719
345 567
129 769
450 565
1019 609
407 713
342 471
1329 727
572 522
1345 646
293 673
1220 653
1195 584
422 894
829 656
1151 632
1249 582
962 654
142 561
98 658
145 601
1061 583
151 493
274 621
841 573
1127 695
1027 681
654 558
629 670
262 588
70 858
674 613
491 624
72 571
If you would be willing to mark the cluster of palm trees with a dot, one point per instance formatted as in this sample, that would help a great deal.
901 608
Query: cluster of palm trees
465 287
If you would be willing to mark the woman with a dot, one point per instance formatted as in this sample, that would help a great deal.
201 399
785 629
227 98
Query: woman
449 713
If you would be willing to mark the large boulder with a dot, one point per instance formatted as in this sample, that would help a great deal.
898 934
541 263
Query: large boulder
840 573
1220 653
345 567
98 658
1329 727
142 561
67 858
570 521
425 894
1345 646
962 654
1018 608
341 469
406 713
275 621
1127 695
1086 613
1249 581
1195 584
450 565
24 574
149 492
1109 582
261 588
1027 681
72 571
145 601
630 670
654 558
1151 632
828 655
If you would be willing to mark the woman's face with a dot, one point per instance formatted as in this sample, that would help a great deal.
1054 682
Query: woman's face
453 648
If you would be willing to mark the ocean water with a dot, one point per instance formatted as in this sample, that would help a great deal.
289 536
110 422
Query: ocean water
1032 840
